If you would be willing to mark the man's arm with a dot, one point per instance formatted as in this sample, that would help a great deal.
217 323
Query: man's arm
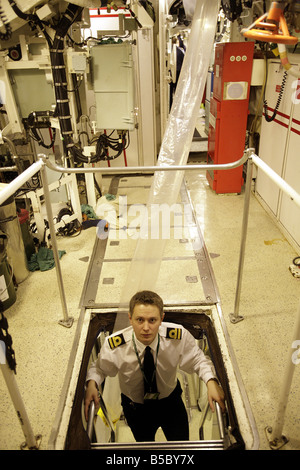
91 394
215 393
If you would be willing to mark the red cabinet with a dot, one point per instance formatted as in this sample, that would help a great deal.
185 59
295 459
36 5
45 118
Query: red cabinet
228 113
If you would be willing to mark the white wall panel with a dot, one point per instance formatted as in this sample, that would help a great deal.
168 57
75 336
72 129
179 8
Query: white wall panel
279 148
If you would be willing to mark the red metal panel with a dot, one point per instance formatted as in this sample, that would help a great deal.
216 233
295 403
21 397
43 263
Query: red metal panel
227 123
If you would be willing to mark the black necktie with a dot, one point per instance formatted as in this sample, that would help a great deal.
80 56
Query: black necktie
149 372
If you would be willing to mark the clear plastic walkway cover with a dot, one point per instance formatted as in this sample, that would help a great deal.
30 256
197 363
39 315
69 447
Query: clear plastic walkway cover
176 145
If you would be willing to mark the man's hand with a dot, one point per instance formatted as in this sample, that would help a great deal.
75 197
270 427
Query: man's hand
91 394
215 393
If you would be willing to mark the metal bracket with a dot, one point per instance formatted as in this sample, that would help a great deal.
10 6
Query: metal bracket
236 319
67 323
24 445
276 443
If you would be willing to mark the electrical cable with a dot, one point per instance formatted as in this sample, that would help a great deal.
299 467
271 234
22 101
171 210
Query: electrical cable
271 118
31 123
103 143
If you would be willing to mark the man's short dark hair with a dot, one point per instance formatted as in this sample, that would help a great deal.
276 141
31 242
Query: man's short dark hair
146 297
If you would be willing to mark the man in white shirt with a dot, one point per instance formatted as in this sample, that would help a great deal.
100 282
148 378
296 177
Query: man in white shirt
153 401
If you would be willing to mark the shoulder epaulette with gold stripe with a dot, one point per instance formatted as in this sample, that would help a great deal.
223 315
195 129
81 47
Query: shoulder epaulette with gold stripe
116 340
174 333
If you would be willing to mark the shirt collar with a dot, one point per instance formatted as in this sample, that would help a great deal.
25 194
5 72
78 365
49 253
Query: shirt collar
141 347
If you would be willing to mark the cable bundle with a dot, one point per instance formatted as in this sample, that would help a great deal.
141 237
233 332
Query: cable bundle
31 122
62 110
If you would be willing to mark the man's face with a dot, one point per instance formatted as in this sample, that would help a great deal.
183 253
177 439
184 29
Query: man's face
145 321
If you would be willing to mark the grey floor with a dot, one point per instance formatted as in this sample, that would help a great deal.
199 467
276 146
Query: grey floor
261 342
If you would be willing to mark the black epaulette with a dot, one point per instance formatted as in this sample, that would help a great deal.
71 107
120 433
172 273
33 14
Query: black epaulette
174 333
116 340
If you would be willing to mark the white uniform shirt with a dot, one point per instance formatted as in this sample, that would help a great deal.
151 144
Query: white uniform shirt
177 348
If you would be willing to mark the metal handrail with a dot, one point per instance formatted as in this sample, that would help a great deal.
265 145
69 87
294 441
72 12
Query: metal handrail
43 162
253 159
40 165
145 169
16 184
276 438
90 422
219 420
202 421
91 416
248 155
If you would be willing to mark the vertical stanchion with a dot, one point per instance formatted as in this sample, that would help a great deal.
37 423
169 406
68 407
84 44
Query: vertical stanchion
67 321
274 435
31 442
235 317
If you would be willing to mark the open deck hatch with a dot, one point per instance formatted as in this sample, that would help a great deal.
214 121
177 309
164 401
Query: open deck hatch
200 326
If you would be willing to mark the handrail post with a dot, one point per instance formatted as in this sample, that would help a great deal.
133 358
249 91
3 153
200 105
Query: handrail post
91 416
31 442
90 423
67 321
220 421
235 317
202 421
274 435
